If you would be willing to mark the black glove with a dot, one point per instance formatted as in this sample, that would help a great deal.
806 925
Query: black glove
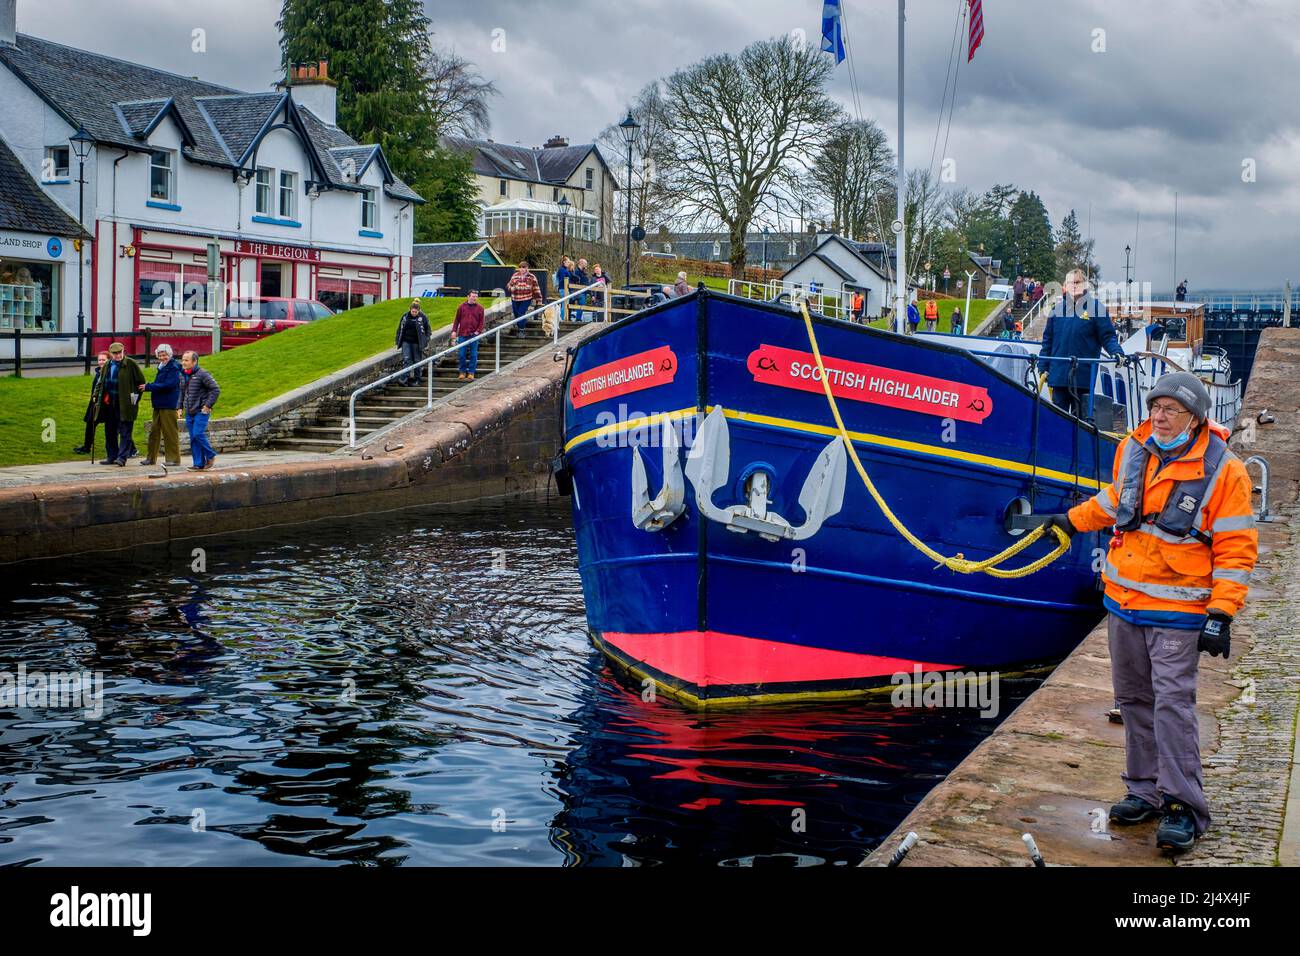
1214 634
1122 359
1062 522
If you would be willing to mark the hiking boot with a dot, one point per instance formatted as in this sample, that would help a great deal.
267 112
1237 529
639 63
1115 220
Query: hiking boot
1133 809
146 461
1177 831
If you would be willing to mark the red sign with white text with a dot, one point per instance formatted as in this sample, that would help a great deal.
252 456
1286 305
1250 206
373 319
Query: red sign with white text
787 368
276 250
631 374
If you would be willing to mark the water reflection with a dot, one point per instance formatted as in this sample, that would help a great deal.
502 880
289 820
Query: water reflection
409 688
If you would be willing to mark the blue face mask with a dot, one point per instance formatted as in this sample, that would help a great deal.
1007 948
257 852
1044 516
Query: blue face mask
1175 442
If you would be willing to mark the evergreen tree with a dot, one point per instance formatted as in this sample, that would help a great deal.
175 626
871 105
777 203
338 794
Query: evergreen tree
1030 232
1072 250
376 51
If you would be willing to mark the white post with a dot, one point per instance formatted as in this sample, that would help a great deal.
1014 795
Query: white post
900 227
970 277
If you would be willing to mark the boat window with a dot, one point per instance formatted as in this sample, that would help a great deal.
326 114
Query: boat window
1120 393
1105 386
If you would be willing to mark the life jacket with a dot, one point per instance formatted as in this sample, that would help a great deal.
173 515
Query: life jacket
1178 517
931 309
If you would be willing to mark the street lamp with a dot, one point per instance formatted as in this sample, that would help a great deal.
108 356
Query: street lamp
81 144
630 128
564 219
765 250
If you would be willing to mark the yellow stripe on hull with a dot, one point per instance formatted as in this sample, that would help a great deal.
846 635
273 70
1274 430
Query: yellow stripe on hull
881 441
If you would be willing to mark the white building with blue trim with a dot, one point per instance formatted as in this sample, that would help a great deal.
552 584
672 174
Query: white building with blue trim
298 207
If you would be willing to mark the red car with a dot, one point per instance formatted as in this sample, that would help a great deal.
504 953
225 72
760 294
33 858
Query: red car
247 320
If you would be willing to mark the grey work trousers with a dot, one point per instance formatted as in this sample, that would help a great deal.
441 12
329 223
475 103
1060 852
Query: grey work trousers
1153 670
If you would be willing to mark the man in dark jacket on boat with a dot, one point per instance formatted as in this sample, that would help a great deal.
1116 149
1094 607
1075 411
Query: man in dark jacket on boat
1078 328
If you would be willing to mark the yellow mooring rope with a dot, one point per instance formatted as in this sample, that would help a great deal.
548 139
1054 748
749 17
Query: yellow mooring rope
956 563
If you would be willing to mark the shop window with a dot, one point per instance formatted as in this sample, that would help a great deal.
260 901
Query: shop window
368 216
288 194
58 163
27 291
264 174
168 287
162 176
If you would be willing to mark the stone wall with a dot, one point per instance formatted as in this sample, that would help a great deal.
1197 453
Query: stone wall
492 438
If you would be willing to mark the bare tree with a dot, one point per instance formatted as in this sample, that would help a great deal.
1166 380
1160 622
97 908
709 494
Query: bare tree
926 205
739 123
653 203
457 94
854 173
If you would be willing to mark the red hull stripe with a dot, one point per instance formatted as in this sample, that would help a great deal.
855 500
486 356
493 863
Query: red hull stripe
709 658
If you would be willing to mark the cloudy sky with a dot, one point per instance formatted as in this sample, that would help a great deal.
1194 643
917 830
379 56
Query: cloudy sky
1103 105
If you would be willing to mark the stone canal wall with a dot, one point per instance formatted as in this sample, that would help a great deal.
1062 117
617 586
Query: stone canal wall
492 438
1057 759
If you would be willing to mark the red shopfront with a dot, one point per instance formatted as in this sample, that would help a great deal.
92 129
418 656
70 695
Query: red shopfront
170 288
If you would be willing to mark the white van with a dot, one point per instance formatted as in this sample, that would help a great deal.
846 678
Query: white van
999 292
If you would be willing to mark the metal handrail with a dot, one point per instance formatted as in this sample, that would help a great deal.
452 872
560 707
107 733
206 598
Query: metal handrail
494 331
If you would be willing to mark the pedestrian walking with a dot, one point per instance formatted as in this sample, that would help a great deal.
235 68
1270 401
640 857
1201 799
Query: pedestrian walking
199 393
956 320
413 334
165 394
581 278
91 418
931 315
122 388
525 295
468 323
1177 574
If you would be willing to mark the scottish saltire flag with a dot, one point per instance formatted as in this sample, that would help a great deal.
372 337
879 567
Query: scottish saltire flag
832 29
976 27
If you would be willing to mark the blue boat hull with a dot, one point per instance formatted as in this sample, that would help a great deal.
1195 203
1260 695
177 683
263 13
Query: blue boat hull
715 616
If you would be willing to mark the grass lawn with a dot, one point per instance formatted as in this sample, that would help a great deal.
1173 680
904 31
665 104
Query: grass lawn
248 375
669 276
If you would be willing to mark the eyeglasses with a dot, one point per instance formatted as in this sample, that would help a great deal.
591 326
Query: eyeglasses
1168 411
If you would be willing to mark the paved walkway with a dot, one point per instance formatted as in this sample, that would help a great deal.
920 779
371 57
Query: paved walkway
84 470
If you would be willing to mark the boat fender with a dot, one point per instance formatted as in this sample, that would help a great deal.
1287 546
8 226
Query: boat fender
563 476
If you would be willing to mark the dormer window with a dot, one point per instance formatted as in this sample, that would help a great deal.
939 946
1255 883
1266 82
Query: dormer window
264 174
288 194
368 209
57 163
162 176
717 248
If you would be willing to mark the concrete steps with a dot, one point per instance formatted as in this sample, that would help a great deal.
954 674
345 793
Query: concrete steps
385 405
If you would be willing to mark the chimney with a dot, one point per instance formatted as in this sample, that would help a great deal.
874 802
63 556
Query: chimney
312 87
8 22
556 142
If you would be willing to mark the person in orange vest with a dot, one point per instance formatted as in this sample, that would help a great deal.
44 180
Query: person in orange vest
1179 565
931 315
859 307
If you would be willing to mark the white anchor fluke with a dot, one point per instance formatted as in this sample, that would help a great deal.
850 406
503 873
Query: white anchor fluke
655 514
708 465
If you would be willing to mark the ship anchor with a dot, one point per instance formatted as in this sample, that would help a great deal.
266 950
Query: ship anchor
709 462
655 514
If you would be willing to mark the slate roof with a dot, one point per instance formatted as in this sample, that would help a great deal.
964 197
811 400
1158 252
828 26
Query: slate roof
427 258
118 102
551 166
24 206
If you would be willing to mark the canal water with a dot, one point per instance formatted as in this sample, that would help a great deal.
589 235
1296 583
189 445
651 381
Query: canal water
410 688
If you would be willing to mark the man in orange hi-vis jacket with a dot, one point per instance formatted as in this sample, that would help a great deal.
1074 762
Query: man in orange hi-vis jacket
1184 546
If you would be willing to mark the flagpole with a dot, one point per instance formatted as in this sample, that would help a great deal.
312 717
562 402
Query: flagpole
900 227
